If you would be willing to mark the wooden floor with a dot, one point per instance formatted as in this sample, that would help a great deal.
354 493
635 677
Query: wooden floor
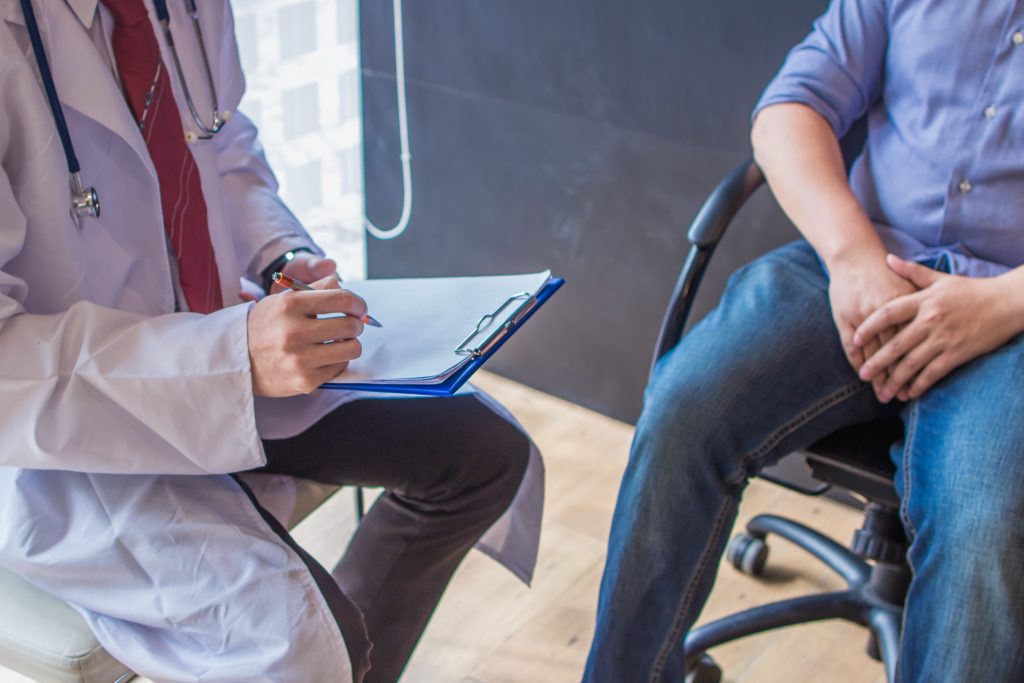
491 629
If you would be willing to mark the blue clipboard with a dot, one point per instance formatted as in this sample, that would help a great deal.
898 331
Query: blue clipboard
452 382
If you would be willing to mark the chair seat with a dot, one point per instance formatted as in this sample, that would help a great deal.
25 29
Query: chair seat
857 458
46 640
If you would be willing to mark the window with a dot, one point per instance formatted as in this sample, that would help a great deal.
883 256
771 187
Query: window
301 108
301 61
302 182
296 25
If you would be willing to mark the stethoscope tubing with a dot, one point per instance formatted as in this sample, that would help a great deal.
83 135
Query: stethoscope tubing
85 200
161 9
163 16
48 85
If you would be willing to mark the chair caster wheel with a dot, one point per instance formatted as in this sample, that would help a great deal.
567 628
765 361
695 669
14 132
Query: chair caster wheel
748 553
706 671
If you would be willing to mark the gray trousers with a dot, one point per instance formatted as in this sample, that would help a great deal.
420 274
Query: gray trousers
450 467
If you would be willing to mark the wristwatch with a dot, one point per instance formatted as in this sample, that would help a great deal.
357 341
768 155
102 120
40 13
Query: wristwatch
277 265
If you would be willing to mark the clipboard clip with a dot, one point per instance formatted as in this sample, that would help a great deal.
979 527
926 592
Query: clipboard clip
485 320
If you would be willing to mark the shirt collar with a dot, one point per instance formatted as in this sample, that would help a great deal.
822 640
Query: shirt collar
85 10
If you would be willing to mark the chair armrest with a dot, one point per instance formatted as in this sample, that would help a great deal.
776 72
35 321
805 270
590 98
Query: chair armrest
704 234
722 205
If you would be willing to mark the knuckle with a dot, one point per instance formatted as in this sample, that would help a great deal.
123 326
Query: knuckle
345 351
288 302
291 337
309 381
354 303
294 367
353 327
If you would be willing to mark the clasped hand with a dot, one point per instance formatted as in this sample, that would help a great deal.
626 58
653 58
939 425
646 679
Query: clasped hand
915 339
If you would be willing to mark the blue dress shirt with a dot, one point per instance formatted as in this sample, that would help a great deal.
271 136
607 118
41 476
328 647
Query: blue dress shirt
942 84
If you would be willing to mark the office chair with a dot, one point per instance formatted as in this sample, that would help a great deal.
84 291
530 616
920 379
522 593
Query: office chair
855 459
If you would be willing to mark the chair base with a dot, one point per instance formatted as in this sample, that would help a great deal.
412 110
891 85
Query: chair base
873 598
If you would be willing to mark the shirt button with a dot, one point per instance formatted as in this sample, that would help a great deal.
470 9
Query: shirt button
990 112
1018 38
965 186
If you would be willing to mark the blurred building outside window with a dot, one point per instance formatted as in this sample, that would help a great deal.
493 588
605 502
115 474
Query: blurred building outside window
301 63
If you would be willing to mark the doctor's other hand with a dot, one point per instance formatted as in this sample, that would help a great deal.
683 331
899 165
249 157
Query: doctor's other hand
287 353
306 267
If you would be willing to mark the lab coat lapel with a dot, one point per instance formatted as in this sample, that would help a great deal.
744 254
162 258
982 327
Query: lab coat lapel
83 79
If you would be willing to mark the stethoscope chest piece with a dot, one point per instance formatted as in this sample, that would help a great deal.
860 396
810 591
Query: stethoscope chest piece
85 203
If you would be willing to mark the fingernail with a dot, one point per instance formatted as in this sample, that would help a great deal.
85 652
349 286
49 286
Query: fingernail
858 340
865 373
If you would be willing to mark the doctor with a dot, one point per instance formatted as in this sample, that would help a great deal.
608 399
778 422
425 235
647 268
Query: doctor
135 385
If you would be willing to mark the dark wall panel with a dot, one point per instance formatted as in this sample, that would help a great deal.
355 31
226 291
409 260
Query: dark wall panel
576 135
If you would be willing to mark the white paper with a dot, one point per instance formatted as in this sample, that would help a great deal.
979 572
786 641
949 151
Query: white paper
424 322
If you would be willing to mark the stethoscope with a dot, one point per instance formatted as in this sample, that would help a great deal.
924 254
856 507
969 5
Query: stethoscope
85 202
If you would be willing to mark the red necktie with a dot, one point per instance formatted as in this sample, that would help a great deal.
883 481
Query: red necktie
147 88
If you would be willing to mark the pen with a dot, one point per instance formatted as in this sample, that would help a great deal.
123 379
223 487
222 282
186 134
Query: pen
293 284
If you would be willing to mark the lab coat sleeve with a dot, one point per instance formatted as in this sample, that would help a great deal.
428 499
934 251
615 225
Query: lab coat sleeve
262 226
94 389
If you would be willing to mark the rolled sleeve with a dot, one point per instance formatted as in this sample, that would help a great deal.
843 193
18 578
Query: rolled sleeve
838 69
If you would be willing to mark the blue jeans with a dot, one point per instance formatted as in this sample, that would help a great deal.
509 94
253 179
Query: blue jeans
764 375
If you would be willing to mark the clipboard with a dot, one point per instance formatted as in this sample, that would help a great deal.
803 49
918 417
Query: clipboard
492 329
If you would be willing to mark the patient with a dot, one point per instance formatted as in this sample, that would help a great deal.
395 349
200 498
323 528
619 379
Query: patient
905 297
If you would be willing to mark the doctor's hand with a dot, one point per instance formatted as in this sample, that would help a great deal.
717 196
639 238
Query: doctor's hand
951 321
287 353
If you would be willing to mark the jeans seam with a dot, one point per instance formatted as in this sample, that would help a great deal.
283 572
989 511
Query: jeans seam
670 641
800 420
908 449
705 559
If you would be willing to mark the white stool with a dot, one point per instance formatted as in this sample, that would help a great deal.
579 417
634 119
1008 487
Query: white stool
44 639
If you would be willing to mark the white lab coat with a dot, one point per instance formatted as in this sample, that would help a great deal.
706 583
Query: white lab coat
120 417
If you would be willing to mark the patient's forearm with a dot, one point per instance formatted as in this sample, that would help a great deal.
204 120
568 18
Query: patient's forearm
800 157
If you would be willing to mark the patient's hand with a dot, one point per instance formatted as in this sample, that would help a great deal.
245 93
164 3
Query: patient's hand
949 322
861 283
287 352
